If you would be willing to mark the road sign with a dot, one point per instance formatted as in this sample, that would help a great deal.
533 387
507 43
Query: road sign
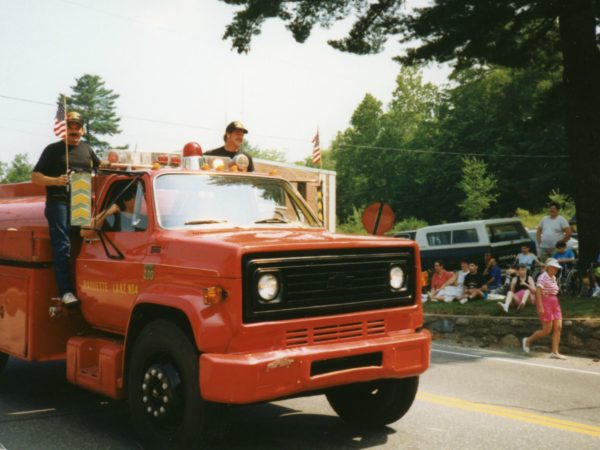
378 218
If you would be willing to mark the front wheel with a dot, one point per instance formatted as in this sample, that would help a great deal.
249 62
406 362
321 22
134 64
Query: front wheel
374 403
166 406
3 361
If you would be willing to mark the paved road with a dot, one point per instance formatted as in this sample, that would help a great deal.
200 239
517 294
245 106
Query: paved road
469 399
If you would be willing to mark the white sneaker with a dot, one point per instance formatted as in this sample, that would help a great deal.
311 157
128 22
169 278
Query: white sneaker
596 292
526 347
69 300
462 301
503 307
424 298
557 356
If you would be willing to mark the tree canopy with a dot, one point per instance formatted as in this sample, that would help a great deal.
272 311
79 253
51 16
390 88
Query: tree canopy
96 103
546 34
19 170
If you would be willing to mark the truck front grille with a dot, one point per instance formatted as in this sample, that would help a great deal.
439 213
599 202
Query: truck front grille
320 284
332 333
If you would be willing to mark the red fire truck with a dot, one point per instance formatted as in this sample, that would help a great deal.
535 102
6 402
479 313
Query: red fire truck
218 287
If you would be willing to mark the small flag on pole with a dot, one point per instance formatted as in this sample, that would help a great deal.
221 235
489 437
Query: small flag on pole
316 153
60 125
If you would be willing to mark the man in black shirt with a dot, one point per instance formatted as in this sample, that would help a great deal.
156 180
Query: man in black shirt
474 284
51 171
234 136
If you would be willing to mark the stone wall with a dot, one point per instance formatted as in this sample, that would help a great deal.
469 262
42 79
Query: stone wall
579 336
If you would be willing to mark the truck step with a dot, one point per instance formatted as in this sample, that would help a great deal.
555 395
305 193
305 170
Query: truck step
96 363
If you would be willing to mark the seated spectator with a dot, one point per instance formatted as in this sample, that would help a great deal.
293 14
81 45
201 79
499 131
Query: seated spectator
563 255
440 279
475 285
528 258
522 289
595 278
424 281
456 289
493 274
511 272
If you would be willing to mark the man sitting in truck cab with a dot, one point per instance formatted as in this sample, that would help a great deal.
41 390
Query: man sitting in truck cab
125 211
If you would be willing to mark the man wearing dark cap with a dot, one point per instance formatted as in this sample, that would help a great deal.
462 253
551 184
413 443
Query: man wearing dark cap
51 171
233 137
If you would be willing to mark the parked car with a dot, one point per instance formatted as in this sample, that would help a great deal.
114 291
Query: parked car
475 241
572 243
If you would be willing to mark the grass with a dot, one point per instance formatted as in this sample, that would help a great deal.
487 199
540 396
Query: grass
571 307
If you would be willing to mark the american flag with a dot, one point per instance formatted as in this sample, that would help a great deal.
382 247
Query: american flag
316 153
60 125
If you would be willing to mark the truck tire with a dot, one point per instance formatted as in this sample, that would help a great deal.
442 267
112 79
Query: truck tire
166 406
3 361
375 403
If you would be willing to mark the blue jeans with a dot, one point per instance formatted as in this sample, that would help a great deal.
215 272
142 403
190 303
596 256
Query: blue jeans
58 216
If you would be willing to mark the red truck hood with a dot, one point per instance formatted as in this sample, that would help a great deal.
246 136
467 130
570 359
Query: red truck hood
222 251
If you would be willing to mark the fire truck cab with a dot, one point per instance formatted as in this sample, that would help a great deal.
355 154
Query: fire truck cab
211 287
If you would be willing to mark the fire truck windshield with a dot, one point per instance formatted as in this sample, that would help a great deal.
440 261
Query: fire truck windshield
220 200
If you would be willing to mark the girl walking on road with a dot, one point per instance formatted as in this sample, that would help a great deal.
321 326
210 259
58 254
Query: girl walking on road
548 309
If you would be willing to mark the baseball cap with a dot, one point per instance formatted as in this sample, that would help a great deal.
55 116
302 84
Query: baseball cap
74 117
236 125
552 262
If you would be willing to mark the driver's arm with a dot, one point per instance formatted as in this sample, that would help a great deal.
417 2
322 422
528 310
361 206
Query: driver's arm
98 221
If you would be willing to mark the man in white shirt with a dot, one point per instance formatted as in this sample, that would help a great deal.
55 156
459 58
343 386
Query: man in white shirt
552 229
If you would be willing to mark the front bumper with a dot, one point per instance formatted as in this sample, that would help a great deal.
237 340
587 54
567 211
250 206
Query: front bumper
265 376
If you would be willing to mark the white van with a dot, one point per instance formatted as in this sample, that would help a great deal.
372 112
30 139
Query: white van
472 241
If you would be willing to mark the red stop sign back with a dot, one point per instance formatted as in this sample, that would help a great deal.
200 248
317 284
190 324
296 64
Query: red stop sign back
378 218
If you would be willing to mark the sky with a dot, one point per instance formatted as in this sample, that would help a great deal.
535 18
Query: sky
177 79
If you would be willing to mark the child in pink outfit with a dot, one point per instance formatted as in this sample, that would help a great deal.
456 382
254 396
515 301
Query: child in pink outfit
548 309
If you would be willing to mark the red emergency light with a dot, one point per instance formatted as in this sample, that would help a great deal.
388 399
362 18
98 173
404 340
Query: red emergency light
192 149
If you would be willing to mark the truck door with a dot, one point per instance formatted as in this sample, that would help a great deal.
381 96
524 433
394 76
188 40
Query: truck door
110 267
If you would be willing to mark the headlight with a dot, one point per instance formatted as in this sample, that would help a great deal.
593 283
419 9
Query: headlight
268 287
396 277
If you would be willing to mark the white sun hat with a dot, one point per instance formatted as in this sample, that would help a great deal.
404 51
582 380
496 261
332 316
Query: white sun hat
552 262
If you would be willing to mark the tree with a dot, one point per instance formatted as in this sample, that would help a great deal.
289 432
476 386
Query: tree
513 119
19 170
353 171
269 154
96 103
380 158
478 187
470 33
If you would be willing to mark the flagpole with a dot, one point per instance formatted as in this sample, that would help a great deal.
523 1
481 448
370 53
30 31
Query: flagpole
66 136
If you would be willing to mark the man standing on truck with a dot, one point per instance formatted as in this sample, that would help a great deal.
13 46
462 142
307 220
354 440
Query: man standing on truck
552 229
233 137
51 171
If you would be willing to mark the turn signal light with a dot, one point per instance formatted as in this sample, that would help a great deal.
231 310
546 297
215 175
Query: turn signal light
214 295
113 157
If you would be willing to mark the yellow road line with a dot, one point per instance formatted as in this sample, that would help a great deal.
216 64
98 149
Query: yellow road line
509 413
